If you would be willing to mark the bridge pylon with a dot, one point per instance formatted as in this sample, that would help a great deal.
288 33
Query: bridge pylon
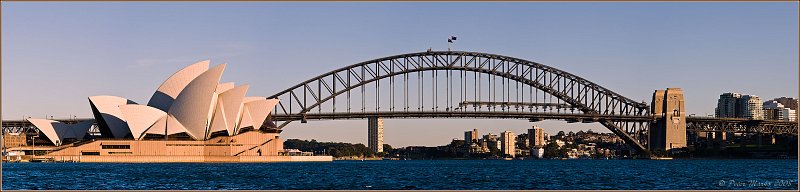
668 131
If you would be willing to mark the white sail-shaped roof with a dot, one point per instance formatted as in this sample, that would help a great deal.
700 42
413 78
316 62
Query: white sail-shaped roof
251 99
246 120
191 101
218 120
56 131
140 118
108 115
193 105
257 109
47 127
232 105
260 109
173 126
159 127
222 87
169 90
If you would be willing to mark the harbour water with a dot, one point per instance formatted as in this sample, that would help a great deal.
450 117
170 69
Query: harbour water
409 174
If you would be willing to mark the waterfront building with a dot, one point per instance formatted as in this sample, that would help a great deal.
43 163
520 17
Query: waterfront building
492 140
523 141
537 152
15 139
773 114
773 110
572 154
728 105
375 132
522 152
751 107
507 141
490 137
790 103
190 105
536 137
560 143
789 114
471 137
190 118
736 105
485 146
474 148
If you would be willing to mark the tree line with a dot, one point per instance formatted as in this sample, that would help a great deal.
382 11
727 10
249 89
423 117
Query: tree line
335 149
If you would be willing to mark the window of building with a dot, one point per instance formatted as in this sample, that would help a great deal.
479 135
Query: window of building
116 147
90 153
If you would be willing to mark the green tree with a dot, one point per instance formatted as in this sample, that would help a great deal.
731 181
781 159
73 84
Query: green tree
331 148
493 150
387 147
551 150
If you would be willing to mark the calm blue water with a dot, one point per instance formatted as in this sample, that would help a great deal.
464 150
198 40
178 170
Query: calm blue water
413 174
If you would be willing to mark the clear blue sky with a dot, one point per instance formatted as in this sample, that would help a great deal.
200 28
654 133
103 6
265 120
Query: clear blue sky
55 55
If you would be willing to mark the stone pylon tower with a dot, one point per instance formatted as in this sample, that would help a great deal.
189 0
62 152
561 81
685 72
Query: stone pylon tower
669 129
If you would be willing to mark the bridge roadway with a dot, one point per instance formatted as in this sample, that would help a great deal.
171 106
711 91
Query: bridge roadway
693 123
705 124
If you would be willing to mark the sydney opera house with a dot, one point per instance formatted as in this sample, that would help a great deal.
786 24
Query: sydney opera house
191 117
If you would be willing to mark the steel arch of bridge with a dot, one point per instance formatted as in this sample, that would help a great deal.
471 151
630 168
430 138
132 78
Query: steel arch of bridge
625 117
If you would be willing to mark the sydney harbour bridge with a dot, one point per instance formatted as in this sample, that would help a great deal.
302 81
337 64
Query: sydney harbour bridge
454 84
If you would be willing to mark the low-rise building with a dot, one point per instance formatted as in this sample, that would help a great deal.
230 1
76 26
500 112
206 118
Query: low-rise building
15 139
537 152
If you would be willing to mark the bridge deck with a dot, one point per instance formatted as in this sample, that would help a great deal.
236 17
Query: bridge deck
709 124
460 114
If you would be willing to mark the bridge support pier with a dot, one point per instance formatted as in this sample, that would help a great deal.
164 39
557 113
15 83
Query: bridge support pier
375 134
759 139
669 129
720 140
772 139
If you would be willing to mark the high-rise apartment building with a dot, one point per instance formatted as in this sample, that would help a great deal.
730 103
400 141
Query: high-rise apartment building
789 114
786 107
728 105
773 110
471 137
751 107
736 105
491 140
536 137
790 103
523 142
507 140
773 114
375 133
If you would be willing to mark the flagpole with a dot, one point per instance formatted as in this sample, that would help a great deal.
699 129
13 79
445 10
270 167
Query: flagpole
450 41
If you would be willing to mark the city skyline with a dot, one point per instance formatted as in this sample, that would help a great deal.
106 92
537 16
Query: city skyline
695 49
